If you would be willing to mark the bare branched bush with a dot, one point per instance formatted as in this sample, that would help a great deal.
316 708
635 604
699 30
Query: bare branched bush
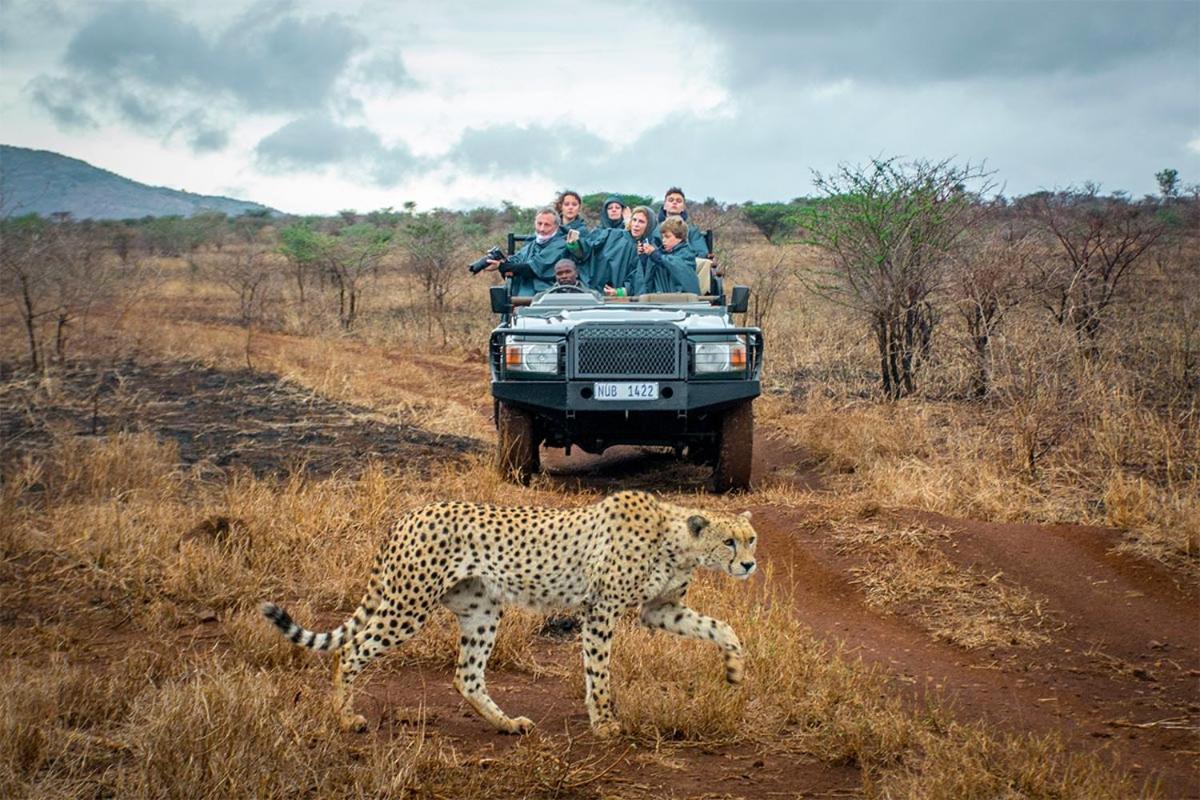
889 229
1101 243
986 279
432 249
252 277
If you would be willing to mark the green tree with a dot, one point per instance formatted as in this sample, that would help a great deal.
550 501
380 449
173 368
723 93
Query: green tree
303 248
429 245
776 221
1168 182
353 256
889 229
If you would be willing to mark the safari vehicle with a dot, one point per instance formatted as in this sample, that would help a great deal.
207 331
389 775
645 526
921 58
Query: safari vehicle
571 368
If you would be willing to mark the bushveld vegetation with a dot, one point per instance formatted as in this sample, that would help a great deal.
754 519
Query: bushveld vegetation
1034 359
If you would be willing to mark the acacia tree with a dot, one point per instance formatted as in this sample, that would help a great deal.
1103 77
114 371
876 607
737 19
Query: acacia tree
353 256
986 280
301 246
1101 241
428 243
247 272
889 229
24 243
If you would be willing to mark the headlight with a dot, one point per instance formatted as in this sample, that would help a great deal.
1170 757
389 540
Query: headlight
720 357
540 357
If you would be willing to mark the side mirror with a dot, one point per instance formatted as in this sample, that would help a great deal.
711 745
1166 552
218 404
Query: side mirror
500 302
739 301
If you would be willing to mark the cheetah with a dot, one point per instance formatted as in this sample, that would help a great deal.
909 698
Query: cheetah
629 550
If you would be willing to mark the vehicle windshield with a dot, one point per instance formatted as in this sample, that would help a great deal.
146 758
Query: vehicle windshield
588 299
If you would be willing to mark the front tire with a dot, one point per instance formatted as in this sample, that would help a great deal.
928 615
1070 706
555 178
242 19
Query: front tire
735 449
516 446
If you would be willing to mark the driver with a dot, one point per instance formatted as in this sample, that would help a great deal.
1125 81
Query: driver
566 273
566 281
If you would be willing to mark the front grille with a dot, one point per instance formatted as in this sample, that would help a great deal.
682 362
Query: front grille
643 351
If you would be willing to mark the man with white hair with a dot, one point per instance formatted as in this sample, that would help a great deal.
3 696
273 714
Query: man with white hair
532 267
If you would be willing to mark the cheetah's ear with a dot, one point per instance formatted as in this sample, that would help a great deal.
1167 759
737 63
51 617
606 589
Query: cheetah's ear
745 514
697 524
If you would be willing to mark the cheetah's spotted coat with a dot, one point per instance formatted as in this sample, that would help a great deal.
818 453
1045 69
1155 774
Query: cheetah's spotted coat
628 550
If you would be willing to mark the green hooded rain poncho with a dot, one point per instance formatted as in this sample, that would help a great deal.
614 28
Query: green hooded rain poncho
532 267
614 252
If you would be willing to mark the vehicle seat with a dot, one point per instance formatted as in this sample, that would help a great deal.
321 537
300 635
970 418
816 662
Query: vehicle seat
669 297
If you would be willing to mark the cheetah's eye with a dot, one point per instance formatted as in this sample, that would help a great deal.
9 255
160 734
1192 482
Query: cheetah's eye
752 540
731 543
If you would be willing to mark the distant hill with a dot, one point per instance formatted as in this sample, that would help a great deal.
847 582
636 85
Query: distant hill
41 182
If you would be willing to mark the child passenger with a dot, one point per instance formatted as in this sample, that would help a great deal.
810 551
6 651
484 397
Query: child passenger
670 268
675 205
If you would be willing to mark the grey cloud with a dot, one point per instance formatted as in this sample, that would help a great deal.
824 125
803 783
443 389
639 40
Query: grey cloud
200 132
511 149
1116 129
892 42
64 100
208 140
317 142
262 61
386 71
138 111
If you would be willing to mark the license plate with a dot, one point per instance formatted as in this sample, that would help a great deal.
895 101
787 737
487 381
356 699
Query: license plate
625 391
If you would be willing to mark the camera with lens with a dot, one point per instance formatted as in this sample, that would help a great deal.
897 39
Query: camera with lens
479 265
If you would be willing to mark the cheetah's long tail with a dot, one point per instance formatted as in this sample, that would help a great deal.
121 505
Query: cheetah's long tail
330 640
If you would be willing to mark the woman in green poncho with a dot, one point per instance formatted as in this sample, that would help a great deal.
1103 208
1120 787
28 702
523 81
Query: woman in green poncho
569 206
614 269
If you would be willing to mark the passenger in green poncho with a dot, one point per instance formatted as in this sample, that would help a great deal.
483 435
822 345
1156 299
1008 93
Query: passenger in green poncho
571 223
669 268
532 267
613 270
608 248
675 205
569 207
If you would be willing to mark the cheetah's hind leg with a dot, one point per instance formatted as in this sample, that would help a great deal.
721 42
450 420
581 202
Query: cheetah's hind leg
386 627
478 618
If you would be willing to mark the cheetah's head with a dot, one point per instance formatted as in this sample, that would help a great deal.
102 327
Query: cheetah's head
725 542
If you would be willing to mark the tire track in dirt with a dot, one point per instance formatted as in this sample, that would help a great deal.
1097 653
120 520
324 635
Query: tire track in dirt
1108 604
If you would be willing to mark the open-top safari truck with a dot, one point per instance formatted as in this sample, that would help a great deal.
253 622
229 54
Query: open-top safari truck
572 368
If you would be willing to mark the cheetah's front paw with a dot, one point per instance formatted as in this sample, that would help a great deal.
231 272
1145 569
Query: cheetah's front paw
356 723
606 730
517 725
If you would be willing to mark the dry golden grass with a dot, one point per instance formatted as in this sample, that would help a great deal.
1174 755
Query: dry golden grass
966 762
1112 439
906 572
799 693
220 730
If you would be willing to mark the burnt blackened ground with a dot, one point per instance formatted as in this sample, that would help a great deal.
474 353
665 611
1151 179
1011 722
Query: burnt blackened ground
239 418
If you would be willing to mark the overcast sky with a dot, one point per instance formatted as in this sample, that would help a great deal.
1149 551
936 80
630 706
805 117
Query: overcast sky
311 106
